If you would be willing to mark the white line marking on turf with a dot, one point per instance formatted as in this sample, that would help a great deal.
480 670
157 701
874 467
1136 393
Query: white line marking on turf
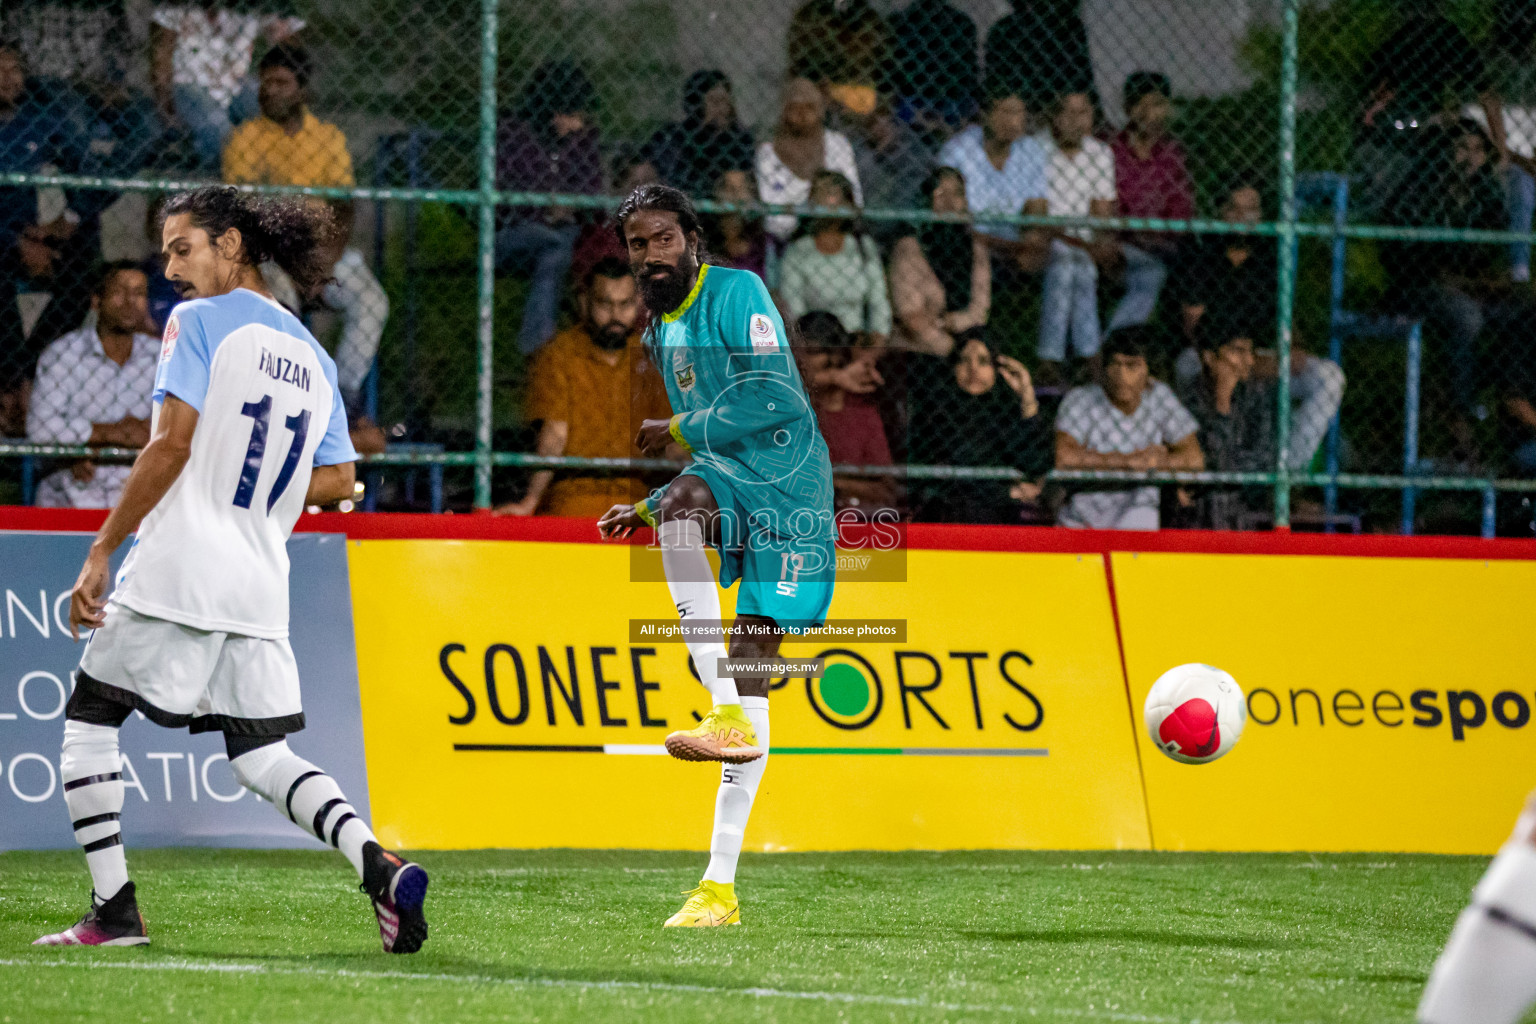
634 748
854 998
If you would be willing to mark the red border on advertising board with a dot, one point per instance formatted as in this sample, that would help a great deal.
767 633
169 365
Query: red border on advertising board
925 536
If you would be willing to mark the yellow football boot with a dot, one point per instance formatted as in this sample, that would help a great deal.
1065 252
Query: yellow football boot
710 905
725 734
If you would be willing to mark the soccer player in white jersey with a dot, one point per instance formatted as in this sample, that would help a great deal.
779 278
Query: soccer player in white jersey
247 429
1487 973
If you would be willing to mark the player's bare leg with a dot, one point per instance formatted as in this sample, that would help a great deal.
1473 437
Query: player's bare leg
1487 973
714 901
688 518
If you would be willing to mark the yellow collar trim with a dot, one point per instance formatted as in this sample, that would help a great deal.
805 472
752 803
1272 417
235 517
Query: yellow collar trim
698 285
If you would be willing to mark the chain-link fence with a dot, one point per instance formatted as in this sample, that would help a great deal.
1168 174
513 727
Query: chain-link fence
1234 264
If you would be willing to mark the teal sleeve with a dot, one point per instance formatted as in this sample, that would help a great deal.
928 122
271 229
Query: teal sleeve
765 391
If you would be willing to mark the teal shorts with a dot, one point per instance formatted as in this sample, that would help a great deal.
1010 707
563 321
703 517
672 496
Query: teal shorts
784 578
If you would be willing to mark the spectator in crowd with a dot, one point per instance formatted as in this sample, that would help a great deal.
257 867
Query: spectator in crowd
83 49
692 153
52 255
94 387
597 239
1236 413
835 267
1080 181
163 295
200 63
288 145
937 69
548 145
849 422
962 416
941 274
843 47
1151 181
736 239
1463 290
801 146
1415 84
1234 274
1040 51
589 389
1005 172
892 163
1129 422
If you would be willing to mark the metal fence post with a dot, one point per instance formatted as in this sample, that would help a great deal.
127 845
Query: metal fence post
487 253
1286 283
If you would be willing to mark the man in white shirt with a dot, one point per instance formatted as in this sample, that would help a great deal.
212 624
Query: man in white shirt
1080 181
1128 423
200 65
93 387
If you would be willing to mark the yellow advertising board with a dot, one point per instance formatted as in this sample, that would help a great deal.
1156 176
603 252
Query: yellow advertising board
1390 700
506 703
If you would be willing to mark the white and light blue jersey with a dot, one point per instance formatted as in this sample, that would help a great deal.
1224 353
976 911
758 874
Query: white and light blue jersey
213 553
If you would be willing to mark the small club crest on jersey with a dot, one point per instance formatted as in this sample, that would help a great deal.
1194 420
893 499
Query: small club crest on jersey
684 377
172 332
764 337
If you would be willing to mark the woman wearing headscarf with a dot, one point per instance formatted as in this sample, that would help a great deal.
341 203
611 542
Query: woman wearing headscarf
941 275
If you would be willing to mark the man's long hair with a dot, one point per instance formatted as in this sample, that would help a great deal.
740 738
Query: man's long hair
291 231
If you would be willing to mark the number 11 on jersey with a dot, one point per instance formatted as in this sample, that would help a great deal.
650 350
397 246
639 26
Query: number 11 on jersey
261 413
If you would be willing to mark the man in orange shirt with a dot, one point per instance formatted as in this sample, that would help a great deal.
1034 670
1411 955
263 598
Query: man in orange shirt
289 145
591 387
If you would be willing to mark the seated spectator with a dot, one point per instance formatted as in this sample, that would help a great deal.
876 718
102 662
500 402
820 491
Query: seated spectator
736 239
94 387
83 50
941 274
1236 413
597 239
1040 51
163 295
1463 290
844 48
1128 423
1080 179
200 63
1233 274
691 154
849 422
37 255
1150 181
937 79
962 416
548 145
1004 172
801 146
289 145
589 389
836 267
892 162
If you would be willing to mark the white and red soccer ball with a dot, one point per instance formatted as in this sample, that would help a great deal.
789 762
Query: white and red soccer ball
1195 713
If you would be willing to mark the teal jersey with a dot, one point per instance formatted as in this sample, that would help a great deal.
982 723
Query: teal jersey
740 406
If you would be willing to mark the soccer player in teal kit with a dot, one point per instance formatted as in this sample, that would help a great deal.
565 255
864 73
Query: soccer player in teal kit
759 490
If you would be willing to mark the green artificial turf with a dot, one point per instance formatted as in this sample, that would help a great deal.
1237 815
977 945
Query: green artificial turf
576 936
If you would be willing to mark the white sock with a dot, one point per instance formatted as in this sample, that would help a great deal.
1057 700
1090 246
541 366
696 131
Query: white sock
733 803
1487 973
308 796
692 583
92 770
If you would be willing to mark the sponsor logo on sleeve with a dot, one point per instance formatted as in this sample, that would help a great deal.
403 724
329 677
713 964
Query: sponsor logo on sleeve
764 337
172 332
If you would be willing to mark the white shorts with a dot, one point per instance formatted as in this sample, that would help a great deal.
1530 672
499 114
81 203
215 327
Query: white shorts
181 676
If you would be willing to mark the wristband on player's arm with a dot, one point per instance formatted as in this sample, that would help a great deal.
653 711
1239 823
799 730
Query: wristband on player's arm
675 428
645 512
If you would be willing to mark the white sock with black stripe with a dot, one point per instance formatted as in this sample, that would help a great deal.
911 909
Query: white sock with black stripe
92 771
308 796
733 801
692 583
1487 974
